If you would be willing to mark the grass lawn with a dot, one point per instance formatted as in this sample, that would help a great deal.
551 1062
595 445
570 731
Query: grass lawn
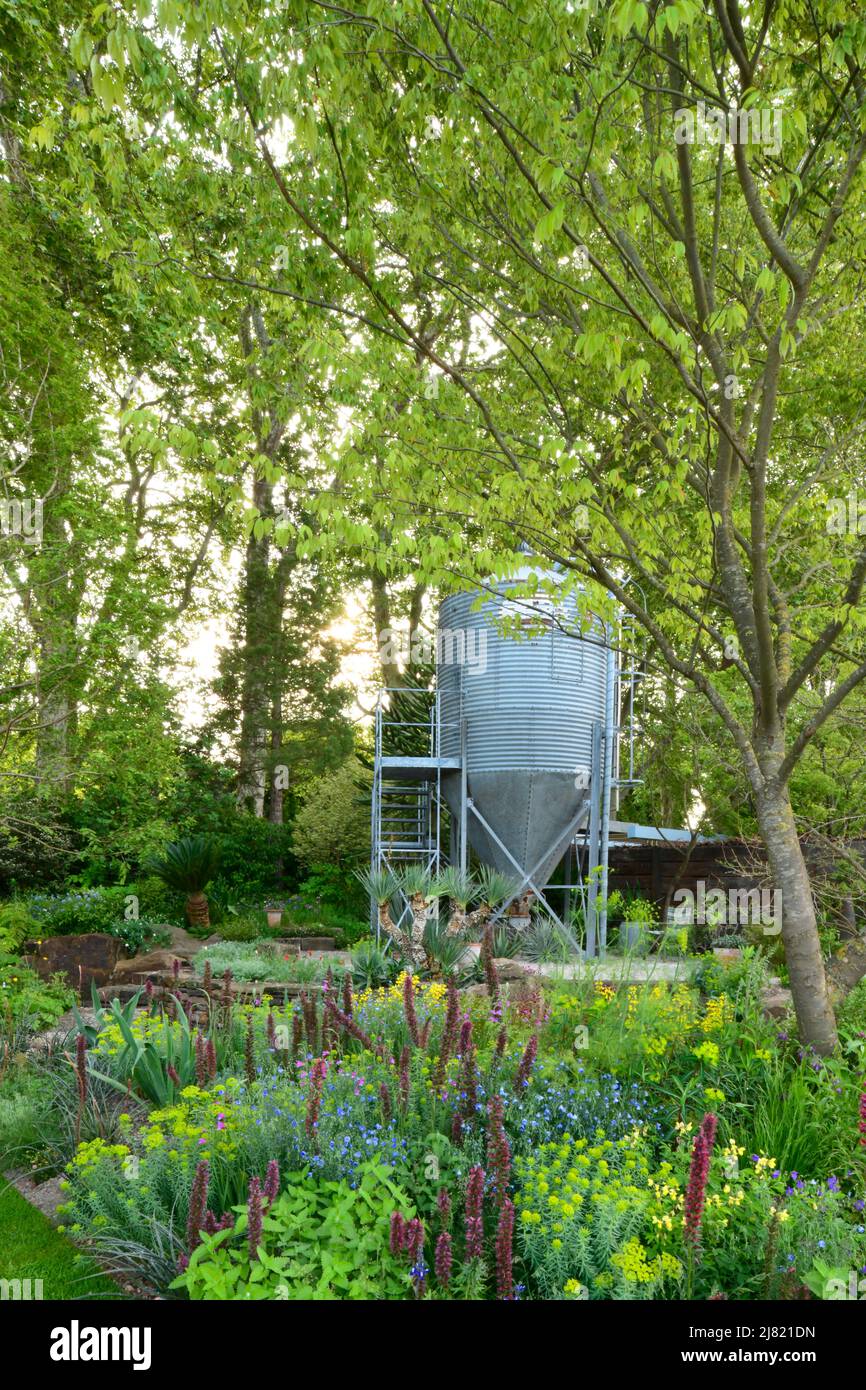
30 1248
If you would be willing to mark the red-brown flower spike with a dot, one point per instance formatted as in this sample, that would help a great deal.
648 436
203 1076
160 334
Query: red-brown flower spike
474 1207
397 1241
409 1008
504 1251
81 1066
198 1213
254 1219
498 1149
272 1181
527 1061
696 1187
442 1260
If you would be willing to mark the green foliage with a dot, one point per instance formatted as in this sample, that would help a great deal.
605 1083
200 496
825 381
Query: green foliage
373 965
17 925
319 1241
21 1107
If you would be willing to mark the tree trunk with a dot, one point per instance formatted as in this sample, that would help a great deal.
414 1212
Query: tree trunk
415 937
803 955
53 764
198 910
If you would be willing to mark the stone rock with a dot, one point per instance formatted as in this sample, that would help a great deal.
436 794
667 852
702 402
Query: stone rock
92 956
508 969
44 1196
153 963
776 1003
62 1034
183 945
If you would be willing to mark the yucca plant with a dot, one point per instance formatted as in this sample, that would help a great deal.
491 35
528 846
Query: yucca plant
382 888
189 865
444 949
418 887
103 1015
493 889
386 891
460 889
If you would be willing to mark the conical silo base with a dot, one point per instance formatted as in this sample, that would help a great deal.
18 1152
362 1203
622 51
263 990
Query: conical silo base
530 812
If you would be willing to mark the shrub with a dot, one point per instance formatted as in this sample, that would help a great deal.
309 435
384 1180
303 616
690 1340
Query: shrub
581 1210
29 1001
260 961
333 825
242 926
257 859
78 911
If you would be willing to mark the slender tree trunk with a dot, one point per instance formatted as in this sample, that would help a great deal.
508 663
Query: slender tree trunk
54 712
803 954
257 657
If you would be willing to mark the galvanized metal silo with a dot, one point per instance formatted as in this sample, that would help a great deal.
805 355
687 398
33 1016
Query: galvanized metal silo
518 711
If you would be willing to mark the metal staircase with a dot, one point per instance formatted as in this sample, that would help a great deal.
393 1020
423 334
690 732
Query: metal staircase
408 805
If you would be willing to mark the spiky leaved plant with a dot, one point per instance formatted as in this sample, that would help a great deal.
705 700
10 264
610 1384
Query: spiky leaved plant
189 865
460 889
494 888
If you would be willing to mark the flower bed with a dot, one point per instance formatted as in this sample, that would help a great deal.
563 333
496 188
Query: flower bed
416 1141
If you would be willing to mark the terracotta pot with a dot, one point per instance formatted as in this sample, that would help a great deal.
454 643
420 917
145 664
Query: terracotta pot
727 955
275 917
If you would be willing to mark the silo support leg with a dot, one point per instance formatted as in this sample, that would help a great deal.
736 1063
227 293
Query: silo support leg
527 880
594 840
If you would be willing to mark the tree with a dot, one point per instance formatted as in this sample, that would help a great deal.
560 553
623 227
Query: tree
657 388
654 309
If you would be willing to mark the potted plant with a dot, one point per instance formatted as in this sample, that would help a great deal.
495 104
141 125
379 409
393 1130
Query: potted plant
274 914
640 918
728 948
